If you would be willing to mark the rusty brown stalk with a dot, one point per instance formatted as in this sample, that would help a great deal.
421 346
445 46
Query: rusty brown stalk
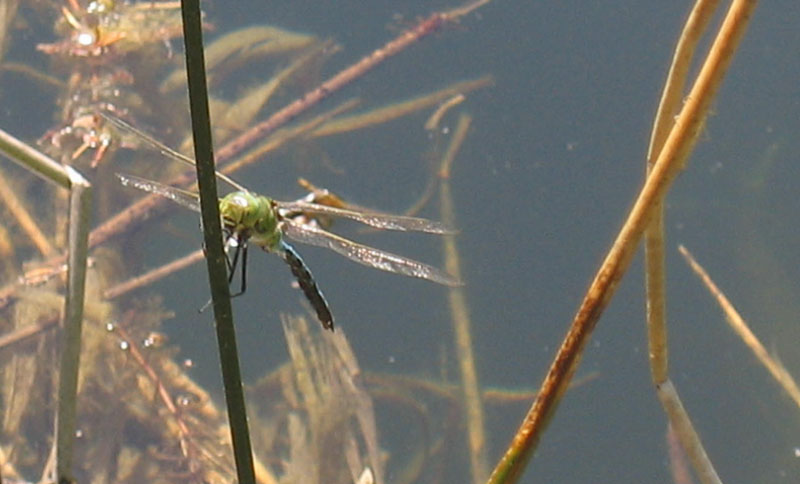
153 275
411 36
28 225
670 160
163 393
743 331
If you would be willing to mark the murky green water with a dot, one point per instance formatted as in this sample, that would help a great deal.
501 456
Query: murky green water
552 162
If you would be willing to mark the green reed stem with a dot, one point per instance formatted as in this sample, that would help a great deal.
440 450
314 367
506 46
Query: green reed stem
79 209
212 232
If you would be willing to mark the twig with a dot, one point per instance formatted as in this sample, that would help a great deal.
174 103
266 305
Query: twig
152 276
25 332
680 424
343 78
399 109
432 124
186 440
740 327
689 439
24 219
459 314
280 138
654 236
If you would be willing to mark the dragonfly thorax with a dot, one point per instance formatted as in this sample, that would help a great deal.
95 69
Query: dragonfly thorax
251 217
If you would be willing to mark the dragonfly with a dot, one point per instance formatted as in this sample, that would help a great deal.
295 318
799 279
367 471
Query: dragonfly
252 219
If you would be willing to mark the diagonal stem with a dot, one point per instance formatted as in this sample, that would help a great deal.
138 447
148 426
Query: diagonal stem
670 161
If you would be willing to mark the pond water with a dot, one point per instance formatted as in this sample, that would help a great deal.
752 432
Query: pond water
552 162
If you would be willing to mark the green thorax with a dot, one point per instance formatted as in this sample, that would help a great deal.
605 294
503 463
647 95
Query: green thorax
252 218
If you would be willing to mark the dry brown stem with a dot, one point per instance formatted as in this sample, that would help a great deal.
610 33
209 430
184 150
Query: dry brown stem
670 161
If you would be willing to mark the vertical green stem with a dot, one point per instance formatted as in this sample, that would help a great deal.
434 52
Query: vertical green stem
212 231
79 209
80 204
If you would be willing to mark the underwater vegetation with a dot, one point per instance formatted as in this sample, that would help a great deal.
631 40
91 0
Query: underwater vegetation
96 383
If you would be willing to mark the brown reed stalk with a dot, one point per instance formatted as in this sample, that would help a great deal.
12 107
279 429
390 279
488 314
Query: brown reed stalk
459 314
397 110
154 275
411 36
743 331
680 423
670 161
668 107
24 219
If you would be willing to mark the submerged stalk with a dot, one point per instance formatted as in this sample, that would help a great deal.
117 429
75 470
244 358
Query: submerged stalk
79 210
671 160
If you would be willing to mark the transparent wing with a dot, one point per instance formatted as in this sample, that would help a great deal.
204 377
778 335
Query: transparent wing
307 284
373 219
378 259
162 148
182 197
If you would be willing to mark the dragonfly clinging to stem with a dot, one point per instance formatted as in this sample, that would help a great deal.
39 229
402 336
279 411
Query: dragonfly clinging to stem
249 218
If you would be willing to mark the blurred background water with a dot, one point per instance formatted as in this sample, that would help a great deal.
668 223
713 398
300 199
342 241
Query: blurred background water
552 162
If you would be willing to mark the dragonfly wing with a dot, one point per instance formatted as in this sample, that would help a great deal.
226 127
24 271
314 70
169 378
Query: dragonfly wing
368 256
373 219
182 197
162 148
307 284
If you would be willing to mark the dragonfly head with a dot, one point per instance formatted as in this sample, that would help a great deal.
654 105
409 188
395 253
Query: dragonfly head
250 216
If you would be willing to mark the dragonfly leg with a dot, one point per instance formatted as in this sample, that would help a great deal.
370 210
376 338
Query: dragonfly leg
243 285
241 247
231 262
228 262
